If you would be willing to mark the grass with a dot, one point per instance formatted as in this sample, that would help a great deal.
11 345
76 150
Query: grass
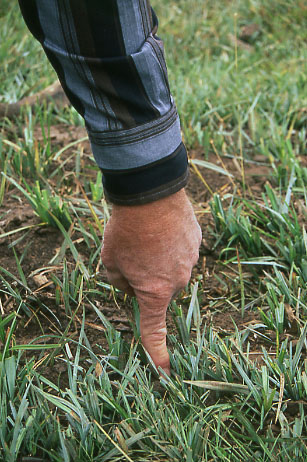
75 383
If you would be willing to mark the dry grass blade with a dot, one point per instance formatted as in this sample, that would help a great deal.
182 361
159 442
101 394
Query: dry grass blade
201 177
219 386
281 395
113 442
211 166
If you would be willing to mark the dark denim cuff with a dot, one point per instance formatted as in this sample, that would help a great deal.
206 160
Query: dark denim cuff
148 183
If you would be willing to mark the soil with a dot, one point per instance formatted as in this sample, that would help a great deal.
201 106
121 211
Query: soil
45 316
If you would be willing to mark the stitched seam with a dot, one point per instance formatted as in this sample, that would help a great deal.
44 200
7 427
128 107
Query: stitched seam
133 139
142 128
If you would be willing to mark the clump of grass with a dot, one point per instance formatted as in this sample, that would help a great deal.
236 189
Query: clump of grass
219 404
270 231
97 188
113 408
50 207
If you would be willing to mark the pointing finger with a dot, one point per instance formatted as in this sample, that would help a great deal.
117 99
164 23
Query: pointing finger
153 327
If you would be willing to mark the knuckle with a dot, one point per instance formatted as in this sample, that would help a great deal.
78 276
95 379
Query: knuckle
119 281
157 295
106 258
183 278
195 258
198 234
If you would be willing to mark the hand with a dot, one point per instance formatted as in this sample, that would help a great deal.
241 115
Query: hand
149 251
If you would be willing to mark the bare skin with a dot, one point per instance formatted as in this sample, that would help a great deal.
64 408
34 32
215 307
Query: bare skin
149 251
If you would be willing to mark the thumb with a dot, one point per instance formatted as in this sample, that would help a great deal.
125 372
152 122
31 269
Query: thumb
153 327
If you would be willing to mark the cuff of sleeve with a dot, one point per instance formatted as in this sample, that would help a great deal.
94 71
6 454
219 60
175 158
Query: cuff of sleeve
147 183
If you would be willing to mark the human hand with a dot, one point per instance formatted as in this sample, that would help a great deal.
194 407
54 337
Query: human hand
149 251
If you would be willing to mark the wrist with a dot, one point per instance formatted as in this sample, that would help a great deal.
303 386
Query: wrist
153 219
156 210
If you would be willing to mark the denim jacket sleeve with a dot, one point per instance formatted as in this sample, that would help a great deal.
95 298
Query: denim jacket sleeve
111 65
